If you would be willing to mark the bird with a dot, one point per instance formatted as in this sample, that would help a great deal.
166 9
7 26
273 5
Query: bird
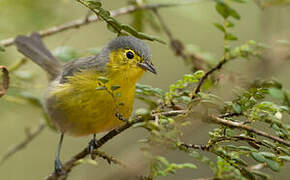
92 94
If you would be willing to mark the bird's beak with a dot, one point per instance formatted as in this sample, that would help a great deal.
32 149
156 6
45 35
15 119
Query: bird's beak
148 66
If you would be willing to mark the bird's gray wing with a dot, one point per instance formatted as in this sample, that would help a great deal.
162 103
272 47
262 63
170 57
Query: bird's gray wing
97 63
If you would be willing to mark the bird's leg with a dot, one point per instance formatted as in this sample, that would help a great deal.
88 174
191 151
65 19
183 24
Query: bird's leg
57 163
92 145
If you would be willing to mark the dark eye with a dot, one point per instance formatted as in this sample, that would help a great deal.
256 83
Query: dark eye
129 55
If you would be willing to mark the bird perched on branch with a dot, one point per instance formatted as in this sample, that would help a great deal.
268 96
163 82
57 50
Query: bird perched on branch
92 94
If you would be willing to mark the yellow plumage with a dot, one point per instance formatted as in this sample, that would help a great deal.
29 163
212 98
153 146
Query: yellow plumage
86 107
89 95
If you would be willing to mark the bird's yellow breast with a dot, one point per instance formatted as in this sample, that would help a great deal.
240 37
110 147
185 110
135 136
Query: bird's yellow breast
87 104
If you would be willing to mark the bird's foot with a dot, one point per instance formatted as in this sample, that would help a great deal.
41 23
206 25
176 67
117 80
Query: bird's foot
58 167
93 144
121 118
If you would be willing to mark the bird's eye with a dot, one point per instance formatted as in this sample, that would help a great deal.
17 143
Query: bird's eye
130 55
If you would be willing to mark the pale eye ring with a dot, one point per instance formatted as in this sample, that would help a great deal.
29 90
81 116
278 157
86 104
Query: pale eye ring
130 55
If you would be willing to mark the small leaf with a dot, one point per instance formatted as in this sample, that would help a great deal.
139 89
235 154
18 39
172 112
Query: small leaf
268 154
104 13
285 158
6 80
111 28
2 49
238 1
94 4
229 24
258 157
101 88
276 93
231 37
220 27
103 79
118 94
246 148
115 87
273 165
222 9
234 14
261 174
237 108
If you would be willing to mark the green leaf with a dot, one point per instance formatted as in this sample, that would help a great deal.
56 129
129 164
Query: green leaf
285 158
261 174
225 11
115 87
111 28
101 88
248 174
231 37
273 165
94 4
238 1
103 79
118 94
276 93
2 49
246 148
237 108
129 29
234 14
222 9
268 154
258 157
104 13
229 24
220 27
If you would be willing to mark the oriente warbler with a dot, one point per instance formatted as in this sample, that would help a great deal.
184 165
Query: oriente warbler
92 94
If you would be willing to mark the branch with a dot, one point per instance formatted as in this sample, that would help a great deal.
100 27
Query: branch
5 78
67 166
30 135
205 76
178 47
87 20
17 65
113 160
249 129
232 124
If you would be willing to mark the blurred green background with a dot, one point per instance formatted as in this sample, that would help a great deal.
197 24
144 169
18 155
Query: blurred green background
192 24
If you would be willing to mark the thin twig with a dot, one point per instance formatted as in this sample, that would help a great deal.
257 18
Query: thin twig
6 81
233 124
249 129
205 76
17 65
87 20
110 159
113 160
170 113
227 115
194 146
30 135
67 166
178 47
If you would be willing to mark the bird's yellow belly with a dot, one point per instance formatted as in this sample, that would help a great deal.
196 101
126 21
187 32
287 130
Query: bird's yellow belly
82 108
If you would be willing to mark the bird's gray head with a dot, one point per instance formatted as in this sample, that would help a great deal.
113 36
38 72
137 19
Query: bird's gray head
133 50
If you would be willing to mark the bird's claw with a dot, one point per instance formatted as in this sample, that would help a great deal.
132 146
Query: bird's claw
58 167
92 145
120 117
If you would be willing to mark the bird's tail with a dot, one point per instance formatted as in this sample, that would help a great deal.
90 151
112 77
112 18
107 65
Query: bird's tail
33 48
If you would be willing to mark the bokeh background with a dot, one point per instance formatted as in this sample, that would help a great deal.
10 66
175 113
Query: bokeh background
192 24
